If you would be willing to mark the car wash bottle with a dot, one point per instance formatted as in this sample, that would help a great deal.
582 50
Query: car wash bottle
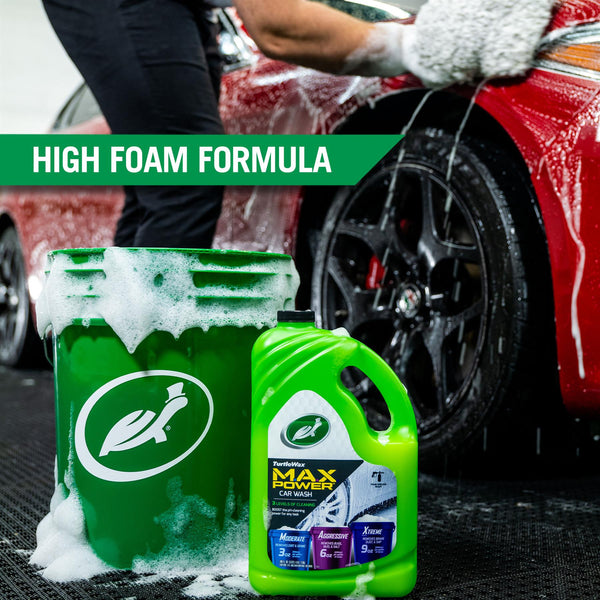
333 503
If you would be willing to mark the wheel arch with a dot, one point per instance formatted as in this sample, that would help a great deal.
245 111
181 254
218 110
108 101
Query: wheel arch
10 218
27 350
5 222
442 110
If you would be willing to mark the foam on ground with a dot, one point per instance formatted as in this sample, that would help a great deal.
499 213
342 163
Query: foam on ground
195 545
137 292
62 549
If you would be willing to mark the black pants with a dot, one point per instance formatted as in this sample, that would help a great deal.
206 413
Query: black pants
154 67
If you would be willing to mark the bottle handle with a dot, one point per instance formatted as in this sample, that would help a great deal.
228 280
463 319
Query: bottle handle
392 389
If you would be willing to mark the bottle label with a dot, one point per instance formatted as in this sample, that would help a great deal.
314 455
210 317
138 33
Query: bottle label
328 508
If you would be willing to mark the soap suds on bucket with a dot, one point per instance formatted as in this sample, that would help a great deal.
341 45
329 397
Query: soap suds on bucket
138 291
220 565
196 545
62 548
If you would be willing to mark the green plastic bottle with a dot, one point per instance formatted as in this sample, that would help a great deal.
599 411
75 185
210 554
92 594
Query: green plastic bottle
333 503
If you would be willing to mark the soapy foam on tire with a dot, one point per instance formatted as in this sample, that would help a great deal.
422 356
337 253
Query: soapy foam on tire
138 291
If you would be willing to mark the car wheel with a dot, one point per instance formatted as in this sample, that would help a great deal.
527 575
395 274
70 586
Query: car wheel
17 336
334 511
436 272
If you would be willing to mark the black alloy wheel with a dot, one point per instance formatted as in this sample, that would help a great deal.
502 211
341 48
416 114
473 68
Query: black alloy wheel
427 266
16 330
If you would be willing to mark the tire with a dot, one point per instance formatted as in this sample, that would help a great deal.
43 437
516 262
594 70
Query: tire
19 345
447 281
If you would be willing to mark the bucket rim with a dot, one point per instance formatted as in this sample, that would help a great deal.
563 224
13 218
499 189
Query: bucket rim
194 251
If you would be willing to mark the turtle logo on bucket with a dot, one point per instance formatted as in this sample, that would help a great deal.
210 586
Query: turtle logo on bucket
103 435
133 430
308 430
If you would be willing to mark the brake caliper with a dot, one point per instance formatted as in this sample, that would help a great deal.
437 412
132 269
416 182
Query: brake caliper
375 274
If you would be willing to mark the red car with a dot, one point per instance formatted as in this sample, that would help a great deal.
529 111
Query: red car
469 258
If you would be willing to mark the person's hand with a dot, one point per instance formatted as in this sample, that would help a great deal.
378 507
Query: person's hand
382 53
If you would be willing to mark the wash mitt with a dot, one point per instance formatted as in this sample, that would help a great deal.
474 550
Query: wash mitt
457 41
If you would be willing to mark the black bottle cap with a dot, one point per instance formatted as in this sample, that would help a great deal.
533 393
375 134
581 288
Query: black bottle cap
295 316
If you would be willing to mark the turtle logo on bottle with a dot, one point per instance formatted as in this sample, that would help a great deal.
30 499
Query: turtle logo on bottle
172 413
305 431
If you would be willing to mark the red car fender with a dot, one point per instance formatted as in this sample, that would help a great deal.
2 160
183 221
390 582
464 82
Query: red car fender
557 139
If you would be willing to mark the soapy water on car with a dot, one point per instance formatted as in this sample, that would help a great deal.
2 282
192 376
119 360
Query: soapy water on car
458 41
501 39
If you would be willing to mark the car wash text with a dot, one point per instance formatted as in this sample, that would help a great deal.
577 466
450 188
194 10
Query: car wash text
298 481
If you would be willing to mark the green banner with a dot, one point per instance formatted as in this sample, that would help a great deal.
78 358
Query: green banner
190 159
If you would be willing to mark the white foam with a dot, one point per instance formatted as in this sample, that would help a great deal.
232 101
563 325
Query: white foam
455 41
360 591
140 291
341 332
571 201
195 545
230 586
62 549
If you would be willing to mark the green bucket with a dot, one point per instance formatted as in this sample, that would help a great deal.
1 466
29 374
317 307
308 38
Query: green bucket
152 377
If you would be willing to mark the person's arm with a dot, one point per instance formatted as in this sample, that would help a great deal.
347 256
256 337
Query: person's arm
314 35
452 41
